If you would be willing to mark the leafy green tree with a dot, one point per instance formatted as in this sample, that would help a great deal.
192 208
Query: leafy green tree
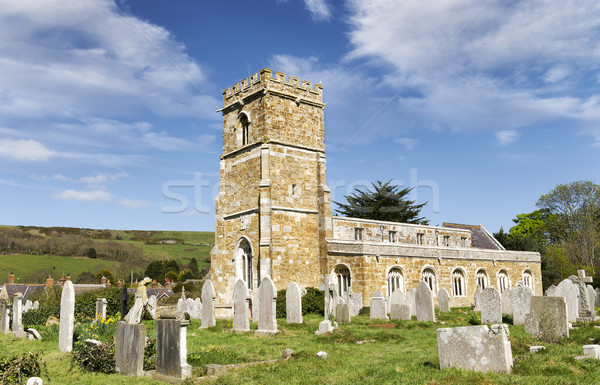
173 276
194 267
156 270
86 277
384 202
184 275
106 273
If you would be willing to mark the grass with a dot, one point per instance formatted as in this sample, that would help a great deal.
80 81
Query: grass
365 352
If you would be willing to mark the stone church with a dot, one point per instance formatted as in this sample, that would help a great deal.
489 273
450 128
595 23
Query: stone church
273 213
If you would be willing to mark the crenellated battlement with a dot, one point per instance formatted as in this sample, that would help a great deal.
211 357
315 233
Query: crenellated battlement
280 83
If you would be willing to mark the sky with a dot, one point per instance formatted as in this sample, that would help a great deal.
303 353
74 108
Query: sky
108 108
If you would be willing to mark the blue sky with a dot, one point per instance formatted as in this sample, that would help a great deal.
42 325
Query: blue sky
107 109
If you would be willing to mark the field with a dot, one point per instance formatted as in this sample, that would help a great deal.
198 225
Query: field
179 245
365 352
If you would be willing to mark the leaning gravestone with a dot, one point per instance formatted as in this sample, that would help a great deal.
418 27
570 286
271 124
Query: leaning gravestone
101 308
521 303
506 299
268 298
293 304
477 348
67 317
130 342
443 300
491 308
171 346
424 303
241 301
551 291
378 306
4 319
208 305
547 319
568 290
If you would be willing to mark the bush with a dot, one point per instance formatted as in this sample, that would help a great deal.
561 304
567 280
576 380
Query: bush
85 303
95 358
49 307
150 354
365 311
17 369
280 305
91 253
313 301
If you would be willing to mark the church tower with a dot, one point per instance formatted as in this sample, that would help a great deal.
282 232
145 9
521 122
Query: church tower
273 212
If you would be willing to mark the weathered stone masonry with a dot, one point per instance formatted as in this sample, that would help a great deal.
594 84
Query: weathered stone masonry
273 214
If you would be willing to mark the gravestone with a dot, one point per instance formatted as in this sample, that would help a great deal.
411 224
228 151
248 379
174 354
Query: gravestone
342 313
405 312
424 303
354 301
4 319
35 381
67 317
547 320
255 313
241 311
198 308
506 299
326 326
28 306
491 307
521 303
378 307
592 298
123 298
208 305
17 316
268 298
101 308
443 300
152 304
181 304
171 347
130 342
396 300
597 296
36 305
551 291
568 290
293 304
478 348
586 313
410 300
477 298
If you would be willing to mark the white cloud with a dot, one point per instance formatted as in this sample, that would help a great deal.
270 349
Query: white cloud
58 177
506 137
407 143
132 203
101 179
84 195
319 10
25 150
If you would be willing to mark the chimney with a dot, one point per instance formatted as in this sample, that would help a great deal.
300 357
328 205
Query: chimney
49 282
103 281
11 279
168 284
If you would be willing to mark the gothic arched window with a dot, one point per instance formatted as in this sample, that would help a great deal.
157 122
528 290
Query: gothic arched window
458 283
395 280
428 276
342 276
482 279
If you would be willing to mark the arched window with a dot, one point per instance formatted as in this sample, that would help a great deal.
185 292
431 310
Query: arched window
245 123
482 279
503 282
395 280
428 276
458 283
244 262
342 275
528 279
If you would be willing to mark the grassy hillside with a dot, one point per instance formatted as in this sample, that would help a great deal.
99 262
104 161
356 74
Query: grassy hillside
31 266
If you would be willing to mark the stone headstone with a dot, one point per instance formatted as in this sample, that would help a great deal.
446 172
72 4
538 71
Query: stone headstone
424 303
171 348
181 305
568 290
506 299
36 305
551 291
268 297
136 312
152 304
354 301
328 291
521 302
255 313
130 342
478 348
197 309
592 299
67 317
208 305
17 316
491 308
443 300
378 306
586 313
342 313
293 304
123 299
597 296
33 334
101 308
591 351
396 299
4 319
406 312
410 299
547 319
477 298
28 306
325 326
241 311
35 381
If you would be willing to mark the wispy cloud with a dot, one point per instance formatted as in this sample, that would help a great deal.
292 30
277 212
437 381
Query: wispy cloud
84 195
102 179
319 9
407 143
506 137
132 203
25 150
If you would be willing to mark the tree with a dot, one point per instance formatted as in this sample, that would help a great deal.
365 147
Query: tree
386 202
106 273
576 206
156 270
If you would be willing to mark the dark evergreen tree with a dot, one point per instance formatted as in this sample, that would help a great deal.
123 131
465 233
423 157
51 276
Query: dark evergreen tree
386 202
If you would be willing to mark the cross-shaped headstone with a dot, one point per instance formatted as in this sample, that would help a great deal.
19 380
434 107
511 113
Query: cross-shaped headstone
580 281
124 297
328 288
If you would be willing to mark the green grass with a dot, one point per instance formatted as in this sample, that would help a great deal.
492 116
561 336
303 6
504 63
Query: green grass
391 352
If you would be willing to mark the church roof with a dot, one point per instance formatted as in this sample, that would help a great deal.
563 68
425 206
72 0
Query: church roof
480 237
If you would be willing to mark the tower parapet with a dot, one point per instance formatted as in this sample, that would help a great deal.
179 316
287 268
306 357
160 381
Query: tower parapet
282 84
